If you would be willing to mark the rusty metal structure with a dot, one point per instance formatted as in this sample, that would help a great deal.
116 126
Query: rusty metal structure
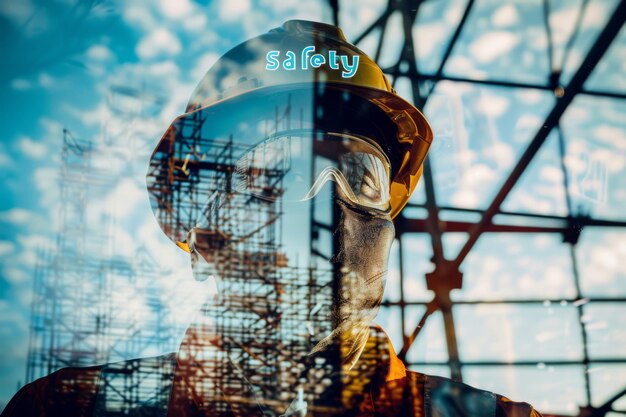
261 283
447 274
262 301
77 288
90 306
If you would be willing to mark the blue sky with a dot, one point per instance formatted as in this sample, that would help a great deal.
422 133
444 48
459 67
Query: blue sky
69 63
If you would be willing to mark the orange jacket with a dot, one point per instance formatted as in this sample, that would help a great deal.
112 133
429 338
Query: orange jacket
161 388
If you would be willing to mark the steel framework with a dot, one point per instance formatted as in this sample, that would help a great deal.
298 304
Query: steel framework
71 280
84 309
262 301
447 273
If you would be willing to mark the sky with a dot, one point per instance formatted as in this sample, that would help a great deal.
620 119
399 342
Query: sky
117 73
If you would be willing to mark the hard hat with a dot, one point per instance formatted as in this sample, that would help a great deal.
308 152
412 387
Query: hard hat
303 56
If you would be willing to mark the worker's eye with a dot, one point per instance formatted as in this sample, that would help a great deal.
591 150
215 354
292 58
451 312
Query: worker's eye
369 187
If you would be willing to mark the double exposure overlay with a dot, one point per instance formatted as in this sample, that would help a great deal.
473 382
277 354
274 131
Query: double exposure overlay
297 242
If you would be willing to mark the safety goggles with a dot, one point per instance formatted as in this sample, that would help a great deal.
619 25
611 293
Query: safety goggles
294 165
280 145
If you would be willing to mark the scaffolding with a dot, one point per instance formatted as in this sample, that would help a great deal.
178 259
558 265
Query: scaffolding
447 273
252 347
77 284
190 178
91 306
254 326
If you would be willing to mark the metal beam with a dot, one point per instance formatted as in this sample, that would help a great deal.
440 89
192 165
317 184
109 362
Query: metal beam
453 41
545 302
394 70
584 220
442 292
422 225
605 361
600 46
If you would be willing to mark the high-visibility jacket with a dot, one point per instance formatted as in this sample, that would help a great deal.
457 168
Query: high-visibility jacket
161 387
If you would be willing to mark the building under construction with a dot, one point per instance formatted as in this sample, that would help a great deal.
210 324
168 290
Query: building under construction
263 299
189 176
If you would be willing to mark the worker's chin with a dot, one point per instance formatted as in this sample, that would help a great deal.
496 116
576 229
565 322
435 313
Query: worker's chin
348 338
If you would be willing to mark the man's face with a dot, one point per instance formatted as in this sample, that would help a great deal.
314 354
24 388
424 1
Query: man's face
295 227
354 274
364 243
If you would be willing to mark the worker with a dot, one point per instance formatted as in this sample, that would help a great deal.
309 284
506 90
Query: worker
281 181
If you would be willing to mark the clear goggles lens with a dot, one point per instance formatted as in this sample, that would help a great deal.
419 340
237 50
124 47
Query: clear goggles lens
295 165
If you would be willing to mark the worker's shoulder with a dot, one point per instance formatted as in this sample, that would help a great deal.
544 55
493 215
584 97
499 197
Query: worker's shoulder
441 394
71 391
52 394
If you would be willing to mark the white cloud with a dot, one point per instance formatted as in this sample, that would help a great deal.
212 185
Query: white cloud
465 198
466 157
493 45
290 7
6 247
176 104
453 89
506 15
18 11
578 113
30 252
532 202
125 197
536 41
20 84
482 173
255 21
139 15
36 241
614 162
32 148
529 96
355 16
501 153
528 121
230 10
196 23
46 181
158 42
551 174
15 275
203 64
175 9
453 13
562 23
429 37
5 160
165 69
99 53
515 267
52 127
600 255
93 117
596 14
177 14
391 48
492 105
160 78
16 216
611 136
46 80
459 64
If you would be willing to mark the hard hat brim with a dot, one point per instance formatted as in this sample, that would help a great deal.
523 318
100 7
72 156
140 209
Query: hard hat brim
397 126
411 140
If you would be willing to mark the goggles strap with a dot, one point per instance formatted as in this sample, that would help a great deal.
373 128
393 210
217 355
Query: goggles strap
332 174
